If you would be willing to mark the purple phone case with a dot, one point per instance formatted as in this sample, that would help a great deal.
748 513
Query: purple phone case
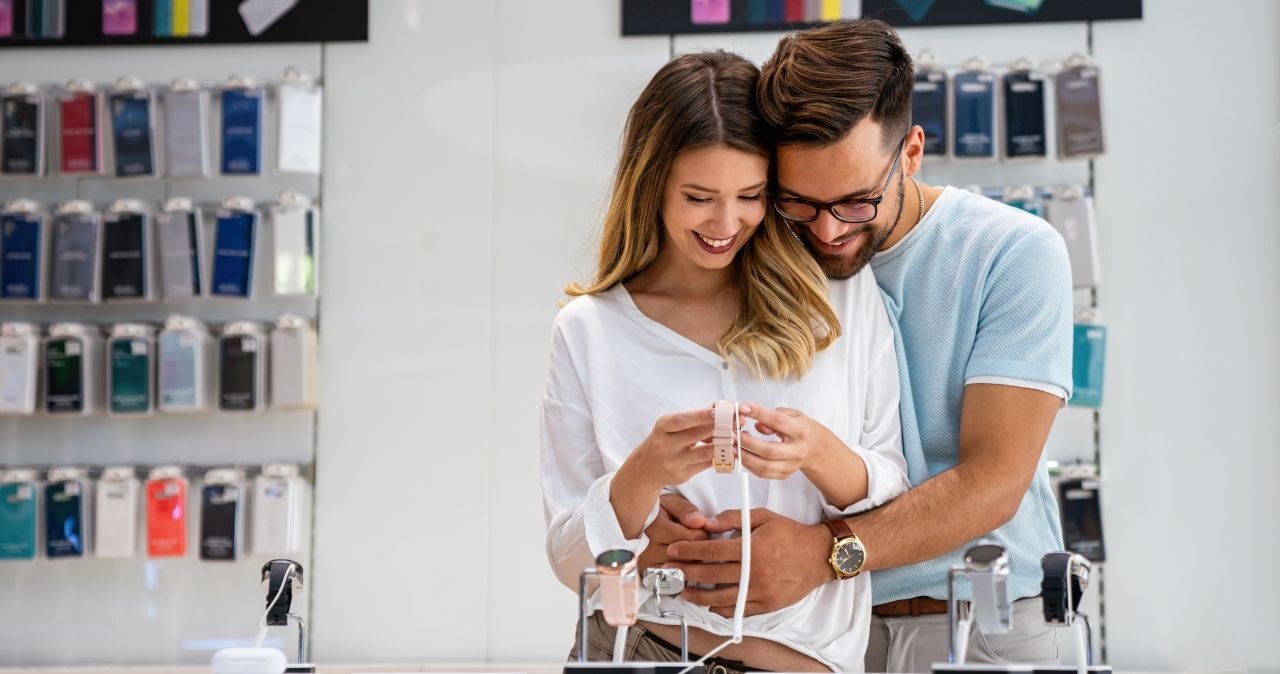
6 18
119 17
709 11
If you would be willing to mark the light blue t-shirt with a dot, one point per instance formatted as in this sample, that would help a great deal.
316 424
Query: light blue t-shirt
977 290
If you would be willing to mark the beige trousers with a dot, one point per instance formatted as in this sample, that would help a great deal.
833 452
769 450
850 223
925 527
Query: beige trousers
910 644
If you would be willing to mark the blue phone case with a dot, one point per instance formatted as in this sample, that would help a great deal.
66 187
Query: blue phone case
233 254
17 521
1088 364
241 131
20 256
131 130
1024 121
975 102
929 110
22 119
64 519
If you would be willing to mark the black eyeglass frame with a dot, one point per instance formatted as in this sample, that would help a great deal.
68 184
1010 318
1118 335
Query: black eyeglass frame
830 206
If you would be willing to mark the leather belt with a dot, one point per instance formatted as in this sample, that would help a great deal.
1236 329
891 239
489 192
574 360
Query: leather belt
914 607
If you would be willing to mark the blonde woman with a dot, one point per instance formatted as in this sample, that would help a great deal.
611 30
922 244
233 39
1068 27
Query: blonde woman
700 295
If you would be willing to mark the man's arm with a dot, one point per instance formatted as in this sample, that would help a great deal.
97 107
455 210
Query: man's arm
1002 433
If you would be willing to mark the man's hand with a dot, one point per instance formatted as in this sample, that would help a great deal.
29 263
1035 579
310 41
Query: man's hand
677 520
788 561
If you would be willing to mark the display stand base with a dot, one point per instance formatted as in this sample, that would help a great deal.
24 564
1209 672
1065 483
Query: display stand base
632 668
949 668
1067 669
301 668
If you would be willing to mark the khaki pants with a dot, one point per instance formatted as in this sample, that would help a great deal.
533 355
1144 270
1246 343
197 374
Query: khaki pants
640 647
910 644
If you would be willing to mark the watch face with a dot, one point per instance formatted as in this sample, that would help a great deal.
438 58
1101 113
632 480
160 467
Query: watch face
614 559
849 557
983 555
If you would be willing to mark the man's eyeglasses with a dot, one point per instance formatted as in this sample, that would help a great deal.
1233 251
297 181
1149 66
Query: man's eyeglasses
854 211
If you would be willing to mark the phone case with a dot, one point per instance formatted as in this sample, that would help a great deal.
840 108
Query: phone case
167 517
294 240
6 18
1082 517
705 12
17 521
1088 365
119 17
23 143
19 373
116 519
125 257
241 373
180 234
974 109
186 133
81 133
276 514
929 110
65 523
162 18
65 376
77 239
794 11
233 254
1025 135
21 245
1074 219
221 521
1079 113
184 371
294 369
242 131
299 129
132 369
132 133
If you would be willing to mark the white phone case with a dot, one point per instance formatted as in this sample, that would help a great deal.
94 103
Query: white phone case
117 509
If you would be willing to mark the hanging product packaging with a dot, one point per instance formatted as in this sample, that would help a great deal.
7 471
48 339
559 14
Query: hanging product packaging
235 237
1025 132
22 244
126 253
1079 110
277 511
131 351
1088 365
77 250
186 130
222 498
120 17
166 512
1078 493
929 104
22 144
1025 197
300 104
242 368
294 237
80 129
132 129
116 514
66 521
185 380
18 520
181 245
1071 213
974 107
19 368
242 103
72 363
295 355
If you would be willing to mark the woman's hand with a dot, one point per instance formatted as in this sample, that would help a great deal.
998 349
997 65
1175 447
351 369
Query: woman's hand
670 455
803 444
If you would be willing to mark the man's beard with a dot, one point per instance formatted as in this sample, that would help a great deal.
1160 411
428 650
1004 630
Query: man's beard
839 267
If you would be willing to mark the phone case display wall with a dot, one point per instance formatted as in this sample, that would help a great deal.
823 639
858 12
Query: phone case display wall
1025 131
160 247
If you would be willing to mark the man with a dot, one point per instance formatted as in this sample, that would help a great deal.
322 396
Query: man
980 297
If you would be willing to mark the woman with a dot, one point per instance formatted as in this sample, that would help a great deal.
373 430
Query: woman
702 295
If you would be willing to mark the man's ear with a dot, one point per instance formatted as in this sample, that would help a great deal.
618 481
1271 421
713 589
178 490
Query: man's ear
914 148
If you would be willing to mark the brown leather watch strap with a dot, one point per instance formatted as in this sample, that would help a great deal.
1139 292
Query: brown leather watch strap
839 529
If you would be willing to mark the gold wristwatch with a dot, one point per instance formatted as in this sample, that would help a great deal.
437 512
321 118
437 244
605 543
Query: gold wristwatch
847 552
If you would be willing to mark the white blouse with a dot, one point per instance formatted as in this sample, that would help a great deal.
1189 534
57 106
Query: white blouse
614 371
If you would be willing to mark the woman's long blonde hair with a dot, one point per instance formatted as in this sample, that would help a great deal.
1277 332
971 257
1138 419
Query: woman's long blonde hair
695 101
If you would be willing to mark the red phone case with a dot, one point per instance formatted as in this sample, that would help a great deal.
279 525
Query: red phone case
795 11
79 133
166 518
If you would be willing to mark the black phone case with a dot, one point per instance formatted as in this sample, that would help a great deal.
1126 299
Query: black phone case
220 523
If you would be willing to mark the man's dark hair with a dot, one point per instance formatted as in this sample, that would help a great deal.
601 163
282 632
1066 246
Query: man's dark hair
821 82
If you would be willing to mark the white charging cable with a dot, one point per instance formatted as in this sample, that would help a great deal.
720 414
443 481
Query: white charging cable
744 576
262 624
620 644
